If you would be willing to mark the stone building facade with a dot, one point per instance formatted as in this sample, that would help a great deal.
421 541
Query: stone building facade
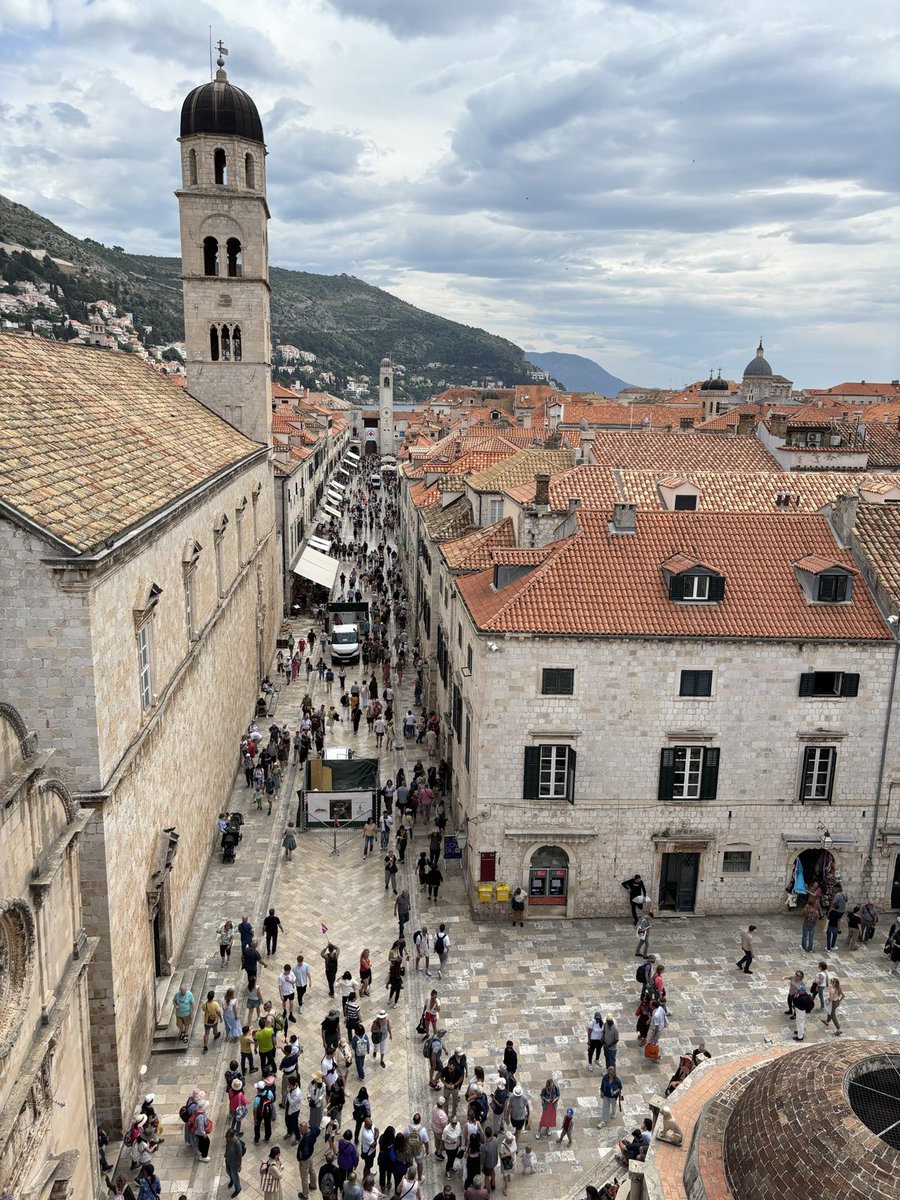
583 753
139 606
47 1132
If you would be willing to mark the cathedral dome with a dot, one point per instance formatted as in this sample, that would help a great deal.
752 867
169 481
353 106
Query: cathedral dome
221 108
758 365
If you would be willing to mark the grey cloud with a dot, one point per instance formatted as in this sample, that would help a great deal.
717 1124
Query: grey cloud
430 18
68 115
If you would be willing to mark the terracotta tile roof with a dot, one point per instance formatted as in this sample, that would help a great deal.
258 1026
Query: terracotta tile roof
886 390
474 551
524 555
815 563
94 441
282 393
520 467
605 584
680 451
596 487
877 530
730 420
452 521
630 416
422 496
748 491
883 445
676 563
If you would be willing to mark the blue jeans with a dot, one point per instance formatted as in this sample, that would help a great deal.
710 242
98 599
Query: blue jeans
385 834
609 1053
368 845
807 936
831 936
360 1065
234 1178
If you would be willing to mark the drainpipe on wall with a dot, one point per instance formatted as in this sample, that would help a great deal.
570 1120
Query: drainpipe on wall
884 743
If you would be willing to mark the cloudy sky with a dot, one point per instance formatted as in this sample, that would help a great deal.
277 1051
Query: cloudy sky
652 183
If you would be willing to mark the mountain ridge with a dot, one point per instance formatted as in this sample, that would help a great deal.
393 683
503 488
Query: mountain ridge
577 373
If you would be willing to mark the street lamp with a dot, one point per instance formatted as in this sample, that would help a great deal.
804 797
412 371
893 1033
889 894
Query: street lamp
827 840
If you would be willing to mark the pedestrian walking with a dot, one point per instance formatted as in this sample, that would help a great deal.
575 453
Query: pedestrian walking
329 955
611 1096
360 1045
442 949
820 984
610 1042
212 1015
854 927
743 963
835 998
434 879
234 1157
390 870
402 909
369 831
380 1031
271 1174
302 975
183 1004
803 1005
595 1039
810 919
230 1013
567 1128
643 935
452 1139
289 843
517 907
636 895
271 926
225 934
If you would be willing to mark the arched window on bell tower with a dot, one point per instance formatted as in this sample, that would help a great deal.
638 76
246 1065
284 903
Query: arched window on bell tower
220 167
234 257
236 343
387 382
226 343
214 343
192 167
211 256
250 172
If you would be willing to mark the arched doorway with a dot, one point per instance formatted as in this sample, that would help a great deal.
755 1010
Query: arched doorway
548 880
814 870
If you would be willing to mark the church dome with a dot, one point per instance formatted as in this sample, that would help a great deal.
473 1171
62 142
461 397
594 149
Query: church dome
714 385
758 365
221 108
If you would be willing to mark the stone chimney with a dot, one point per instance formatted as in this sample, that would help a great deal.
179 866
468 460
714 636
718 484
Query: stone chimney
746 422
624 517
542 491
843 516
778 424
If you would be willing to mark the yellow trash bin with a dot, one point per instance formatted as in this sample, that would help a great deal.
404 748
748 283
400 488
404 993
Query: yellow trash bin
485 891
503 891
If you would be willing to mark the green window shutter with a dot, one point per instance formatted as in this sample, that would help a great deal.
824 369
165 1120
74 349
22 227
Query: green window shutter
709 778
532 781
666 773
807 683
849 685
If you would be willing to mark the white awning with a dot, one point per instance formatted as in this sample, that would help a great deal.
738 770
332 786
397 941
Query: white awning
343 471
318 567
318 543
335 494
352 454
332 512
336 483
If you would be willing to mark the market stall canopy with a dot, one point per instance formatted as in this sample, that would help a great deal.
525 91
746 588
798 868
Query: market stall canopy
318 567
332 512
322 544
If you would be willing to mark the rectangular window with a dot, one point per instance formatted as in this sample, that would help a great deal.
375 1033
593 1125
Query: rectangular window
685 503
736 862
220 563
832 589
696 587
558 681
829 683
468 742
459 635
818 774
688 773
549 773
469 658
495 511
190 606
457 712
145 665
239 527
695 683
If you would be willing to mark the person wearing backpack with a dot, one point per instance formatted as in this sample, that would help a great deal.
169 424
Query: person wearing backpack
417 1140
329 1178
263 1110
359 1043
234 1158
202 1130
186 1112
442 949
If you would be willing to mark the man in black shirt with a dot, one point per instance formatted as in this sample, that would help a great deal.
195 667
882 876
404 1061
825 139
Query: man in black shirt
305 1149
271 925
253 960
635 889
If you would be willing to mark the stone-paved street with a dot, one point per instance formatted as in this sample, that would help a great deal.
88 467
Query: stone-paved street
538 985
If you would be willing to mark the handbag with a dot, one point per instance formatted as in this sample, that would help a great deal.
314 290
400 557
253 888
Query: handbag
420 1028
651 1050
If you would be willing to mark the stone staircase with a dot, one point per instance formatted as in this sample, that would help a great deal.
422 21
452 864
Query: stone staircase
165 1035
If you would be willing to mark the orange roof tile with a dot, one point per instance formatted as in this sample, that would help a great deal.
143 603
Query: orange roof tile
473 552
679 451
605 584
815 563
877 531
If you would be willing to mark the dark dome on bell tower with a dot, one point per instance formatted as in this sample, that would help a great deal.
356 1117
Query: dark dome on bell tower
221 108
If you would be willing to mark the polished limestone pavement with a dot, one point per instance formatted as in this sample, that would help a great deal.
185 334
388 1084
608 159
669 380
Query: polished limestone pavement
538 985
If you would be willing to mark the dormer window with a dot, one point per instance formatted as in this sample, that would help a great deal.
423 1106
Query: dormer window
691 581
824 582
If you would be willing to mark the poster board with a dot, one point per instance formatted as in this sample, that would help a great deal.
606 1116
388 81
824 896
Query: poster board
324 808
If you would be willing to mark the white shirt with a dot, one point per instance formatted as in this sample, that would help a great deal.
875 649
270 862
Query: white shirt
301 974
367 1139
423 1135
286 984
423 944
658 1020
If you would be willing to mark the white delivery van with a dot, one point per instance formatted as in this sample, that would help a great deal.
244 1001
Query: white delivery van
344 644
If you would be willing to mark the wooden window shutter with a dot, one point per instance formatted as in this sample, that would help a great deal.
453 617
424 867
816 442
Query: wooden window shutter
676 587
570 777
532 781
666 773
849 684
717 587
807 683
709 779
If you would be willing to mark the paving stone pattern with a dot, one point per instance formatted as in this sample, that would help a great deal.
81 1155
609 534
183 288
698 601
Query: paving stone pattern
538 985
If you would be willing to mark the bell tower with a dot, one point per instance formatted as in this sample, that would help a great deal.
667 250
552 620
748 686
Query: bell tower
386 407
225 255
